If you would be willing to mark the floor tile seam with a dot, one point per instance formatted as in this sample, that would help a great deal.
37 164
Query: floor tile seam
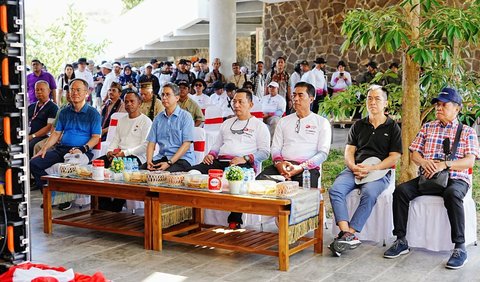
246 266
393 265
354 260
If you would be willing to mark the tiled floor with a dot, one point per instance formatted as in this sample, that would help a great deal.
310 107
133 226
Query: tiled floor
122 258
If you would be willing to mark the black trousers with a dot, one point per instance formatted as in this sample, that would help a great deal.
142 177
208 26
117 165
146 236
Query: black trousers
452 196
203 168
180 165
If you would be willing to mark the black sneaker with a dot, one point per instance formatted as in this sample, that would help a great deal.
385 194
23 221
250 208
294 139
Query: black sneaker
65 206
398 248
457 260
344 241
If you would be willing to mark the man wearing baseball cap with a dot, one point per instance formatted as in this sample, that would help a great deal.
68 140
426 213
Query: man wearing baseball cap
84 74
427 152
273 106
369 75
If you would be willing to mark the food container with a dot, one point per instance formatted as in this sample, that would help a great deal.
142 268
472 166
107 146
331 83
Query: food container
67 169
84 171
98 167
176 178
157 177
135 176
215 180
287 188
199 181
261 187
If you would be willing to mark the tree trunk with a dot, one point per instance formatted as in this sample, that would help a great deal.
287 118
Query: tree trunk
411 100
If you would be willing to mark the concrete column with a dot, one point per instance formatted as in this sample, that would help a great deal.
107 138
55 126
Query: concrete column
223 33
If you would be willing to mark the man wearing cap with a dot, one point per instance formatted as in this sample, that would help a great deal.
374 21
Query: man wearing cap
78 129
392 76
149 77
273 107
39 74
316 77
181 73
109 77
188 104
301 140
83 73
238 78
166 73
172 130
427 152
373 146
151 106
280 76
258 80
369 75
198 96
219 97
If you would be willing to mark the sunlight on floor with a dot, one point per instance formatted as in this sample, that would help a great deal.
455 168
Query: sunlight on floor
164 277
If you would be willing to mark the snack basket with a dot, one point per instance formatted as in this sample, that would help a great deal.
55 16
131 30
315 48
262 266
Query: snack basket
157 177
84 171
135 176
199 181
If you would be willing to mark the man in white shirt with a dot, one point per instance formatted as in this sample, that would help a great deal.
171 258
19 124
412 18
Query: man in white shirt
243 140
107 82
219 97
84 74
131 133
301 140
258 80
316 77
273 107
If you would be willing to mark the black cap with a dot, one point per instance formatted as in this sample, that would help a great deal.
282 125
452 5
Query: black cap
230 86
182 62
393 65
448 95
37 61
304 62
372 64
182 82
201 81
153 61
320 61
217 85
82 61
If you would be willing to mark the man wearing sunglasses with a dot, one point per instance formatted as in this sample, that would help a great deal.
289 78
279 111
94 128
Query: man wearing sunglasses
301 140
243 140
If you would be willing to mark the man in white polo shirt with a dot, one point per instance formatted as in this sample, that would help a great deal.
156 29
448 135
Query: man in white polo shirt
301 140
273 107
243 140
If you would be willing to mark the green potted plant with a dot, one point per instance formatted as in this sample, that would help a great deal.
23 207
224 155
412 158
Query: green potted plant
235 179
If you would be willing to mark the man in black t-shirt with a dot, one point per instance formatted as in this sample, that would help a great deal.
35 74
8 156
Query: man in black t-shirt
373 146
41 115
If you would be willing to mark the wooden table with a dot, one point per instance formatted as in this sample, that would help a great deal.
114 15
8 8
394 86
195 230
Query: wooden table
121 223
196 233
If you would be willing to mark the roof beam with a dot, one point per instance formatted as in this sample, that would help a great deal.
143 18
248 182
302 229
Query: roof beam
173 45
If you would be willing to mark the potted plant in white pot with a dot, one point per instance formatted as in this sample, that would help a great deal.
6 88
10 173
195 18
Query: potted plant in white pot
235 179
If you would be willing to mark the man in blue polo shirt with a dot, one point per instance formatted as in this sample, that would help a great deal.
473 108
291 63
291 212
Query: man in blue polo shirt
78 129
172 130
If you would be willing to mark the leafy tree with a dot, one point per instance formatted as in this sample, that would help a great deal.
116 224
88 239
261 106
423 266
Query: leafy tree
428 33
62 42
129 4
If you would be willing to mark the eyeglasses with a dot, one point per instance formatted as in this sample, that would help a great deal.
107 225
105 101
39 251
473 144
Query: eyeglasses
77 90
297 126
238 131
198 85
166 95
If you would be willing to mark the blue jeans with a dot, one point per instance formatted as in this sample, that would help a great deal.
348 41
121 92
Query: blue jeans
343 185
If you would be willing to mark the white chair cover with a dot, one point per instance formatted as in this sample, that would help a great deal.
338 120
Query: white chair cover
112 128
428 225
199 146
379 225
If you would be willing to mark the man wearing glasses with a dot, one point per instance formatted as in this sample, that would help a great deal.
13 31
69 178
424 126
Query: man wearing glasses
373 146
301 140
243 140
172 130
78 129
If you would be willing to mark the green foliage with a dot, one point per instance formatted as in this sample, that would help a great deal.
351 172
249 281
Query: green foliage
129 4
235 173
62 42
344 104
332 167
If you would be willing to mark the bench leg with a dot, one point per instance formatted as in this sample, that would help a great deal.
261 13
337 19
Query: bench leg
283 251
156 224
47 210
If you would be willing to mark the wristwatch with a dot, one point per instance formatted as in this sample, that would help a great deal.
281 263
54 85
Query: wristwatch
33 135
448 164
246 158
169 162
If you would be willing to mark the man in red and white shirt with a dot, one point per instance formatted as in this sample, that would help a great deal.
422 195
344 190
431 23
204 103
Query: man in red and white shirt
427 151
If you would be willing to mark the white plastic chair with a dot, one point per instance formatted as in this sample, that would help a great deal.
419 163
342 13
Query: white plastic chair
199 140
428 225
213 121
379 225
257 111
112 128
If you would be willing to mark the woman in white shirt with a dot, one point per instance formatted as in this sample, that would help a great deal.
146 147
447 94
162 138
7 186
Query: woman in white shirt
62 83
341 79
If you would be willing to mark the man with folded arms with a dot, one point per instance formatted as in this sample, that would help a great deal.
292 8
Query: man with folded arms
301 140
243 140
172 130
378 138
426 149
81 128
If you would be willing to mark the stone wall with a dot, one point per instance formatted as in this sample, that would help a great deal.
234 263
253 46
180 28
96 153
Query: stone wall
306 29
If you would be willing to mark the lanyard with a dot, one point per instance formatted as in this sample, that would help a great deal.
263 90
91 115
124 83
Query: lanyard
36 112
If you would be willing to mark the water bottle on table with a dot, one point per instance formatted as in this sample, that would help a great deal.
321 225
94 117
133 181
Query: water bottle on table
306 179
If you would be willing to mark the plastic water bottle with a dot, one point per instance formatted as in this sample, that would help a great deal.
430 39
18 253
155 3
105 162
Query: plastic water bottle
129 165
134 165
306 179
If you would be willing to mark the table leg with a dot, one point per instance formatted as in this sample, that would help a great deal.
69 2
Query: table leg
318 247
148 240
283 248
156 224
47 210
93 202
197 218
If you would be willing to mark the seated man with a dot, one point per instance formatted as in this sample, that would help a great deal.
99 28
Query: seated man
151 105
273 107
188 104
41 115
203 100
219 97
301 141
374 136
427 150
113 105
81 127
243 140
172 130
